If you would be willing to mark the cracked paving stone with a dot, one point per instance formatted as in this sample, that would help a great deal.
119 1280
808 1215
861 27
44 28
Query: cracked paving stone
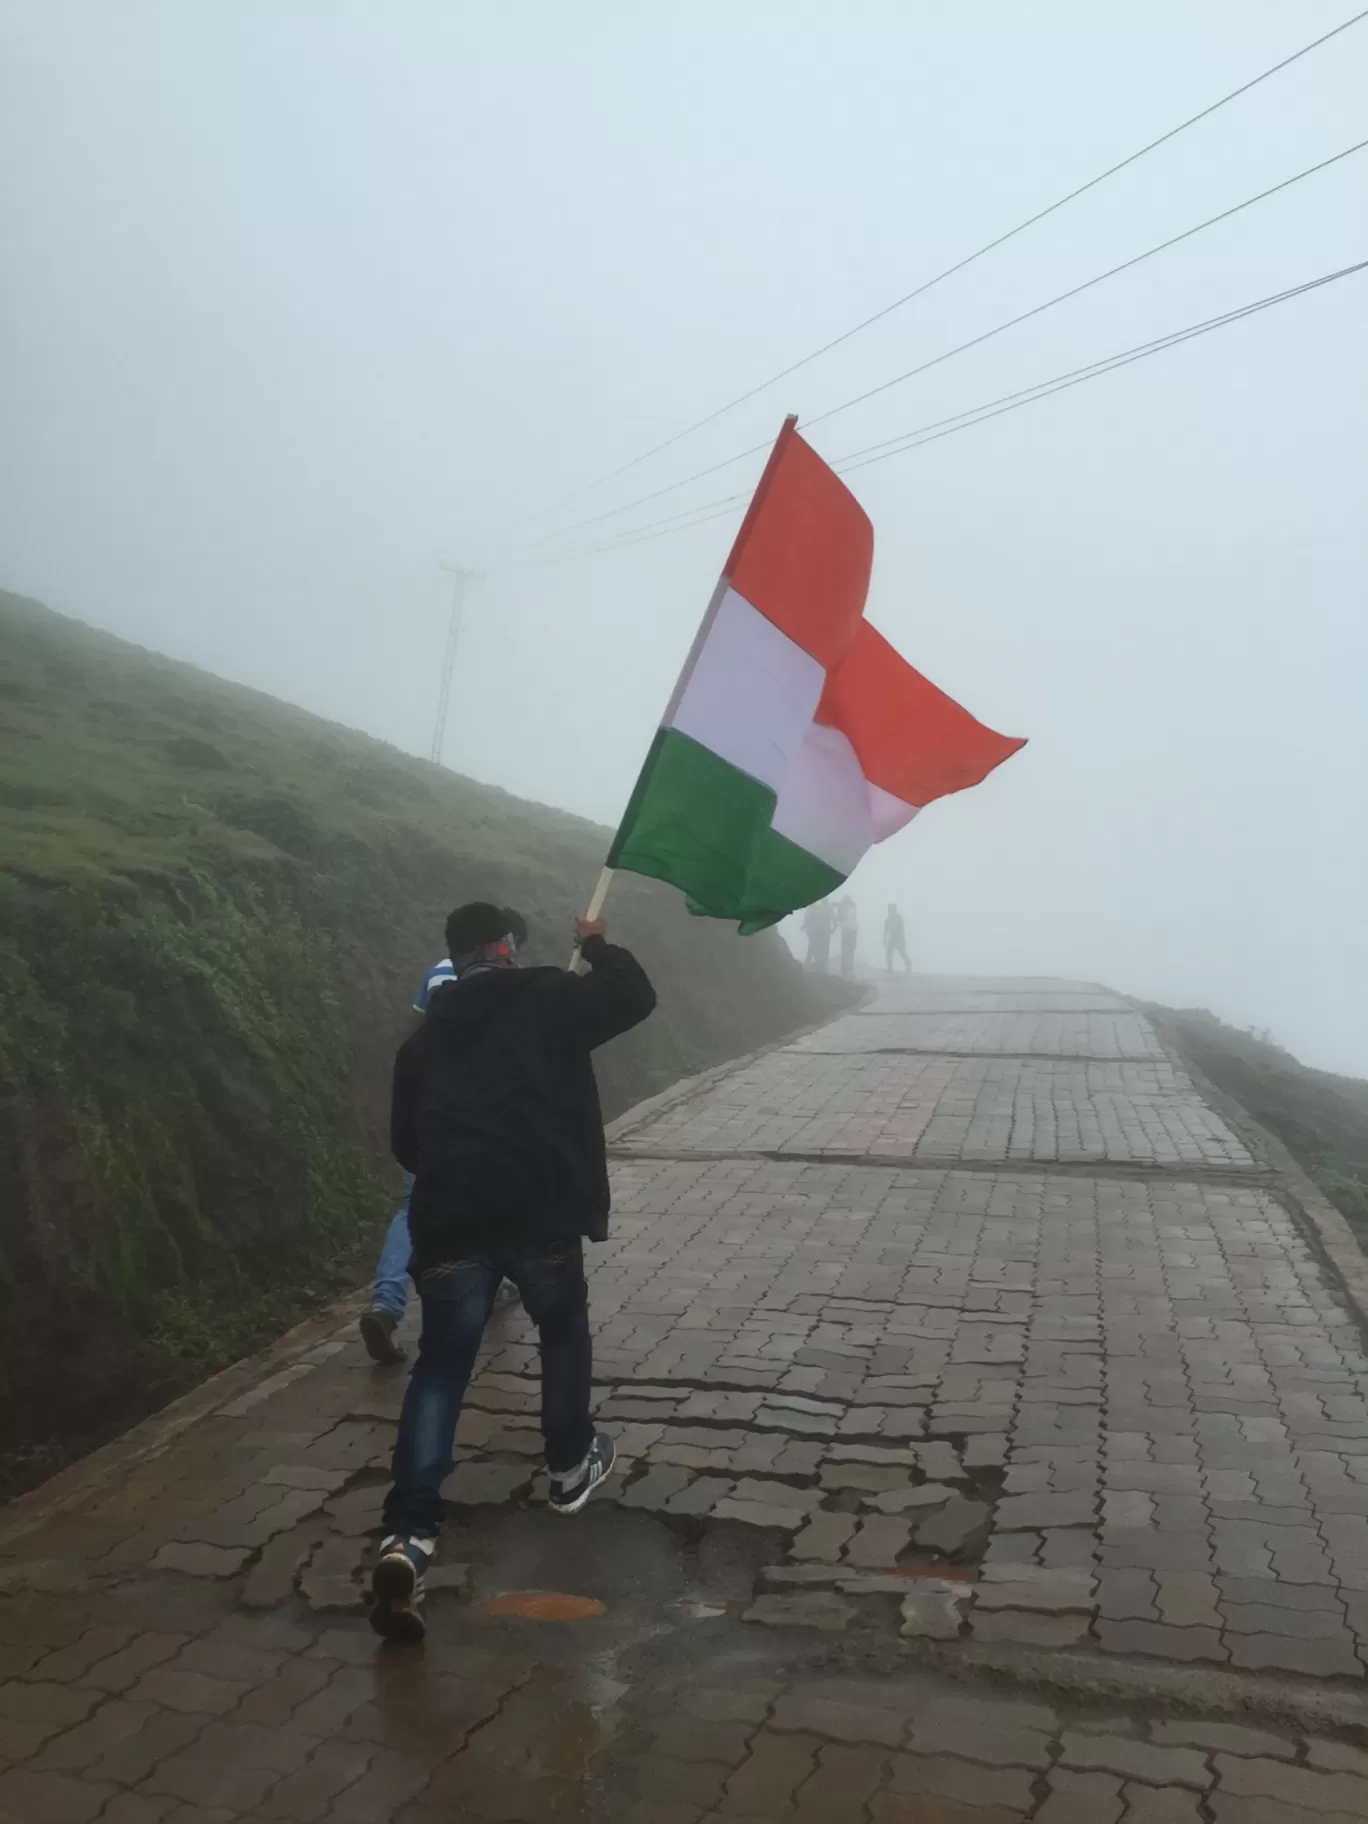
1031 1513
1160 1642
934 1610
1132 1760
956 1528
1080 1798
1027 1629
878 1542
202 1560
701 1496
824 1536
31 1797
813 1609
1319 1658
842 1722
1053 1592
1000 1733
1314 1792
653 1490
1161 1805
752 1513
906 1500
1228 1738
941 1776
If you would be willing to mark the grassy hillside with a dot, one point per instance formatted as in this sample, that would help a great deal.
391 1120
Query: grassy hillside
1321 1119
214 910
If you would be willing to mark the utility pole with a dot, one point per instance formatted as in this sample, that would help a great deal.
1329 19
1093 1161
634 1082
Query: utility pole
460 578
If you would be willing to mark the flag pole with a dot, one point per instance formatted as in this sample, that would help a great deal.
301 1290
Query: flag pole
786 431
596 899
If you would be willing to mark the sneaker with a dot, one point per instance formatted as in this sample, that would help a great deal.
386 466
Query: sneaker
570 1491
377 1333
397 1587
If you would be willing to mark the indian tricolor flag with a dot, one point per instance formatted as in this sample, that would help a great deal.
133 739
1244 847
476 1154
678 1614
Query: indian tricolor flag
796 736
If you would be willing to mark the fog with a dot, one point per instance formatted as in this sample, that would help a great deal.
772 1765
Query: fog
303 299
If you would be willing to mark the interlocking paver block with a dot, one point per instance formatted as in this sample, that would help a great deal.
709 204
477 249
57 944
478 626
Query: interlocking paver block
1318 1658
941 1776
771 1774
841 1722
1027 1628
824 1537
955 1527
30 1797
1000 1734
1052 1592
1160 1642
878 1542
1030 1513
1161 1805
1227 1738
1148 1761
1306 1787
814 1609
845 1779
934 1609
1080 1798
1337 1757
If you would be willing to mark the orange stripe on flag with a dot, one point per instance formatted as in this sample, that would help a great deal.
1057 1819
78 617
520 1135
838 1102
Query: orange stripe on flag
803 554
910 738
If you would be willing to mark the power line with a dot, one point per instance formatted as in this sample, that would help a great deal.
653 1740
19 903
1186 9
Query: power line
1088 284
974 341
968 260
978 414
1062 382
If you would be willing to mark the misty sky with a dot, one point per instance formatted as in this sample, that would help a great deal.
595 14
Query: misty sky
302 298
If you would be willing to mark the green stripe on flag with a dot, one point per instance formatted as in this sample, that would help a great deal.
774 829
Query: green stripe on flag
704 826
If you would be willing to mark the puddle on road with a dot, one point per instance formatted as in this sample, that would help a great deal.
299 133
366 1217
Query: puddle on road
545 1605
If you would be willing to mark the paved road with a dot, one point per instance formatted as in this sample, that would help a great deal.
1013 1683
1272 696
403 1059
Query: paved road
995 1447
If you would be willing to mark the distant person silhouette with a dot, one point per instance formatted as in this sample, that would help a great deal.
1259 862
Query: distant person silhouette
895 941
817 930
848 929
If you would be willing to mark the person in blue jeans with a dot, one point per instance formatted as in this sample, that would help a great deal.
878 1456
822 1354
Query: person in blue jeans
390 1287
496 1113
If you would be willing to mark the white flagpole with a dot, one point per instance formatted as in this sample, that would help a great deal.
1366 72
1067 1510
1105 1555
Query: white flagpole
600 893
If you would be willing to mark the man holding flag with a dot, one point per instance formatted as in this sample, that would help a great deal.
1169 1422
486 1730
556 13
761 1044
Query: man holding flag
795 738
496 1113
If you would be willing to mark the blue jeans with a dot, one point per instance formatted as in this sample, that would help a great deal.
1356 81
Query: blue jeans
457 1300
390 1288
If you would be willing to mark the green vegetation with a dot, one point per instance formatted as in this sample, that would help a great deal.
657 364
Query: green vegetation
214 910
1321 1119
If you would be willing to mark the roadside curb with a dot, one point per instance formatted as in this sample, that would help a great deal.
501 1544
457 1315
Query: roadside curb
1326 1229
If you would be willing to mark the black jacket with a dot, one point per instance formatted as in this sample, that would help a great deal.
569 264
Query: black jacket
496 1110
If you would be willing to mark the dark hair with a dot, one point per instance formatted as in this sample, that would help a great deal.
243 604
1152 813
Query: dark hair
471 927
516 927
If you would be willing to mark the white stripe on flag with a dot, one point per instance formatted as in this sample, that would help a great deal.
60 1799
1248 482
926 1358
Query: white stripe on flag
752 694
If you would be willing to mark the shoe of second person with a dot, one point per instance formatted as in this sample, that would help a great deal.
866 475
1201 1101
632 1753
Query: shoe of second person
569 1492
377 1333
397 1587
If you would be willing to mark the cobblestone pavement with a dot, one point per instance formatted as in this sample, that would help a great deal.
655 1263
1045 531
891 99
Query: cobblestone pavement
994 1444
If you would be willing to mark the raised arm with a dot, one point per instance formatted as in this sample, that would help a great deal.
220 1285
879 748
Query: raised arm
617 993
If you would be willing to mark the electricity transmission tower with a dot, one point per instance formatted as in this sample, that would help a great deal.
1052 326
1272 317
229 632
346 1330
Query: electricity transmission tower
460 578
